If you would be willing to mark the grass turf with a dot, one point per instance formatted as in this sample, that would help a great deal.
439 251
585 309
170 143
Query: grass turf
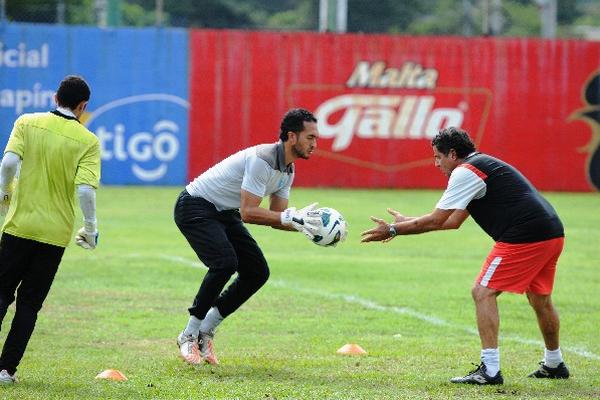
406 302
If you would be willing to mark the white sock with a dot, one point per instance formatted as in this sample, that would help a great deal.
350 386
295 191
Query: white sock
193 326
552 358
491 359
211 321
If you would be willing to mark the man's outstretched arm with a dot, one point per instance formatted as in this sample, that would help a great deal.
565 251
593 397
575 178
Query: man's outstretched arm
438 219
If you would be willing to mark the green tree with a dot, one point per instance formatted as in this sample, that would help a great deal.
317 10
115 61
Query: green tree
32 10
568 11
444 17
134 14
279 15
419 17
206 14
79 12
383 16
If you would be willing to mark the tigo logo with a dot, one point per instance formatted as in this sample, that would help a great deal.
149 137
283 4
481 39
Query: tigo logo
145 133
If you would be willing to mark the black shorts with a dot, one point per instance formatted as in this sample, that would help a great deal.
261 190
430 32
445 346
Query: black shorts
219 238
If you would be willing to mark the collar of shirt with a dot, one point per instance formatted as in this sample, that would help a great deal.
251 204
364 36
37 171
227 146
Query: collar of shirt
474 153
281 160
66 111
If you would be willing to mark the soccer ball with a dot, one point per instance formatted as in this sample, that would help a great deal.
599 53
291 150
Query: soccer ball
333 229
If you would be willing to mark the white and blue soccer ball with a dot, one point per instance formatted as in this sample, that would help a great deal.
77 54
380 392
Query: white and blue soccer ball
333 230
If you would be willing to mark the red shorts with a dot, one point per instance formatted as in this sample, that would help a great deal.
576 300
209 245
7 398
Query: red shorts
523 267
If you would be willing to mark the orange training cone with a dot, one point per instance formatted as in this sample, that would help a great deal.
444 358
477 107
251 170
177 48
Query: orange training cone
112 374
351 349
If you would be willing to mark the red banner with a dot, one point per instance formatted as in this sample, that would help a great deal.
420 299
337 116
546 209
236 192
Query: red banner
380 99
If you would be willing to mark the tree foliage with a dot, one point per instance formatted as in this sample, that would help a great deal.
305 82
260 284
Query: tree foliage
372 16
418 17
31 10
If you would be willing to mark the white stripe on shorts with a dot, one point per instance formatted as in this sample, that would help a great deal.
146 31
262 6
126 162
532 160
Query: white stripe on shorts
490 271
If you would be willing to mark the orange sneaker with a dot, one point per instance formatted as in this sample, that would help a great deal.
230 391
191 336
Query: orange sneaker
207 350
188 348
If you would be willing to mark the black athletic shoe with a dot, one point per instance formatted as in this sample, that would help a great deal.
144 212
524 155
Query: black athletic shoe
479 377
560 372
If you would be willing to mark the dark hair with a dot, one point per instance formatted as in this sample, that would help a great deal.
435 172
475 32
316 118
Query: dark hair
72 91
294 120
453 138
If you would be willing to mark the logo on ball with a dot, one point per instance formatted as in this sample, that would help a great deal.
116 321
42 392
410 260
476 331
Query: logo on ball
333 229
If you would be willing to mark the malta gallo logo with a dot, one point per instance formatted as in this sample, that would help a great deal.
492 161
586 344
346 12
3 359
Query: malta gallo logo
145 133
591 115
397 107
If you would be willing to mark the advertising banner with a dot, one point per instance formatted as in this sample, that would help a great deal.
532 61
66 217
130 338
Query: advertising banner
139 81
380 99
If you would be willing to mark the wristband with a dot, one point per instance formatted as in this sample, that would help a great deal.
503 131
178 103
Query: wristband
287 216
90 227
392 230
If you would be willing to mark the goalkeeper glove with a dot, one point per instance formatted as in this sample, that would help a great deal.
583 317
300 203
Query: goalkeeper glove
87 238
5 196
305 220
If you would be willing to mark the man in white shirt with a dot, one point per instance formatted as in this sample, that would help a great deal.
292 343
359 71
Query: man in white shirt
528 235
211 213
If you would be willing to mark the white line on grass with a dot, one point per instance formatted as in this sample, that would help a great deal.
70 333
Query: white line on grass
579 350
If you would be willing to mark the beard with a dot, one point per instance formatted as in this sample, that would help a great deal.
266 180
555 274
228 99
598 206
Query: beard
297 150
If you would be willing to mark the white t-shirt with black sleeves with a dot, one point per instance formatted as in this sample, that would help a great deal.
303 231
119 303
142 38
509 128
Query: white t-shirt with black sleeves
260 170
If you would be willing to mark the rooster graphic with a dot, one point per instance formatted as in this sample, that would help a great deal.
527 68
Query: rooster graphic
591 114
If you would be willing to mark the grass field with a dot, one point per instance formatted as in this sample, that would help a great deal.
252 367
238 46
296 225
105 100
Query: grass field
406 302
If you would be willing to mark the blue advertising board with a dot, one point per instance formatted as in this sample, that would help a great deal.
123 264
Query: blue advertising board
139 81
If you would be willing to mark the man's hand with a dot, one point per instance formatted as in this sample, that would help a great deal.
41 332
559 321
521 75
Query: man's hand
381 233
397 216
87 239
5 196
384 232
305 220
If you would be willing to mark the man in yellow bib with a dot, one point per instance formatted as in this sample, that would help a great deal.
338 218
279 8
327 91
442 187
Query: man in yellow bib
55 156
